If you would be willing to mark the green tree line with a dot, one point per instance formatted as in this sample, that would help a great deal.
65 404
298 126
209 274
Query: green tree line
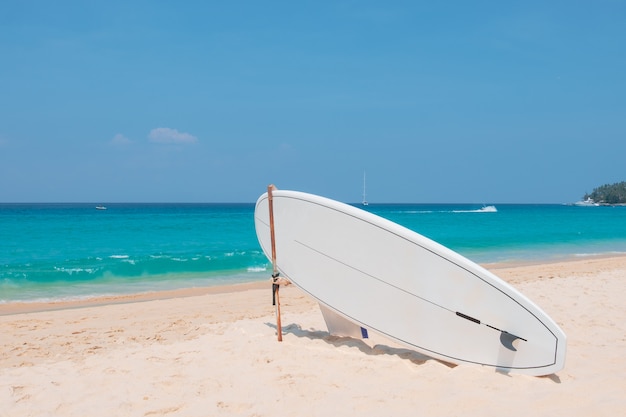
609 193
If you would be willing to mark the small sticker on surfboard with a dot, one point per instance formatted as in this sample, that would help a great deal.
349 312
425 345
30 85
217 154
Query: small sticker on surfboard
364 333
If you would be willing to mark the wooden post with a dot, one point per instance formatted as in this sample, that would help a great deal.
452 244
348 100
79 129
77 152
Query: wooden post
275 285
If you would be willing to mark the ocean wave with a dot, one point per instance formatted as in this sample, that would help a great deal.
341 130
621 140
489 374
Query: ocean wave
131 267
72 271
592 254
29 292
257 269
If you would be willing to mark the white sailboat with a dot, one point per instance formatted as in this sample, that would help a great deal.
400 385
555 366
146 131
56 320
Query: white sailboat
364 202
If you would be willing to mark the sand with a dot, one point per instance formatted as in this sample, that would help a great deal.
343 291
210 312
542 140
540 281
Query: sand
213 352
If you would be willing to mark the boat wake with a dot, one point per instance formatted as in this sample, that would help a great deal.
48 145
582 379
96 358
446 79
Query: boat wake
484 209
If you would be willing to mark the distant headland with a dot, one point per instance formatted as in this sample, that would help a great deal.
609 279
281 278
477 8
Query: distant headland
605 195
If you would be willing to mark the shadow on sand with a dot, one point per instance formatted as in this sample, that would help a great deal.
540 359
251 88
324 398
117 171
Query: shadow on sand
339 341
378 349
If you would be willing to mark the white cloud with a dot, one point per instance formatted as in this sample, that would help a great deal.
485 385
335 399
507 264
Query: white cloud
120 140
170 136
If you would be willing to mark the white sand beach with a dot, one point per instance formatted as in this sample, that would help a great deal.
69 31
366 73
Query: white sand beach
213 352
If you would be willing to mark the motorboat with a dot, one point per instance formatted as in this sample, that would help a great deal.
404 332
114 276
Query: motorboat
588 202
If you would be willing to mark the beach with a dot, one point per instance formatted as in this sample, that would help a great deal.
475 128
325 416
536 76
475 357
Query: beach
213 352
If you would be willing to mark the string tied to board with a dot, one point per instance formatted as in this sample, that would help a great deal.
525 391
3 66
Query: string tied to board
277 281
275 287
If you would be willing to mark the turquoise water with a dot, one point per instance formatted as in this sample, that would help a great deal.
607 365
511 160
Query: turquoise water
69 251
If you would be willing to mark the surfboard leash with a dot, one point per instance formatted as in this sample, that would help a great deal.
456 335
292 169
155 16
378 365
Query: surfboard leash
275 286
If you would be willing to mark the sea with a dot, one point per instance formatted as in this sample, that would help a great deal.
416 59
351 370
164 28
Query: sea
55 252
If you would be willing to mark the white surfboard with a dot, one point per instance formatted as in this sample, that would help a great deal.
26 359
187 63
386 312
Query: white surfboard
390 280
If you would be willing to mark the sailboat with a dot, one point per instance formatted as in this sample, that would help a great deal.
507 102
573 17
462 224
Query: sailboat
364 202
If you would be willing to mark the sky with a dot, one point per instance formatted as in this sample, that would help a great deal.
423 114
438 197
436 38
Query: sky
211 101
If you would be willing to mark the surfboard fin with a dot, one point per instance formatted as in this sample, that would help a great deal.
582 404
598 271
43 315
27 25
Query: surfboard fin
338 325
507 340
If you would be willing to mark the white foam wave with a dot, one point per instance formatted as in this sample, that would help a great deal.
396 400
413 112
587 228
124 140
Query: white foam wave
593 254
72 271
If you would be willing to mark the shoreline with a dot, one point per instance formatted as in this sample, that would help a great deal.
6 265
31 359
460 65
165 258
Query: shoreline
20 307
508 271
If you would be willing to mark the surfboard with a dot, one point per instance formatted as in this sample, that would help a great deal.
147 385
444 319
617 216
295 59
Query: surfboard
384 278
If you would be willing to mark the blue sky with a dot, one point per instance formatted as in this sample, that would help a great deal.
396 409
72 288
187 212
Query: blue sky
458 101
